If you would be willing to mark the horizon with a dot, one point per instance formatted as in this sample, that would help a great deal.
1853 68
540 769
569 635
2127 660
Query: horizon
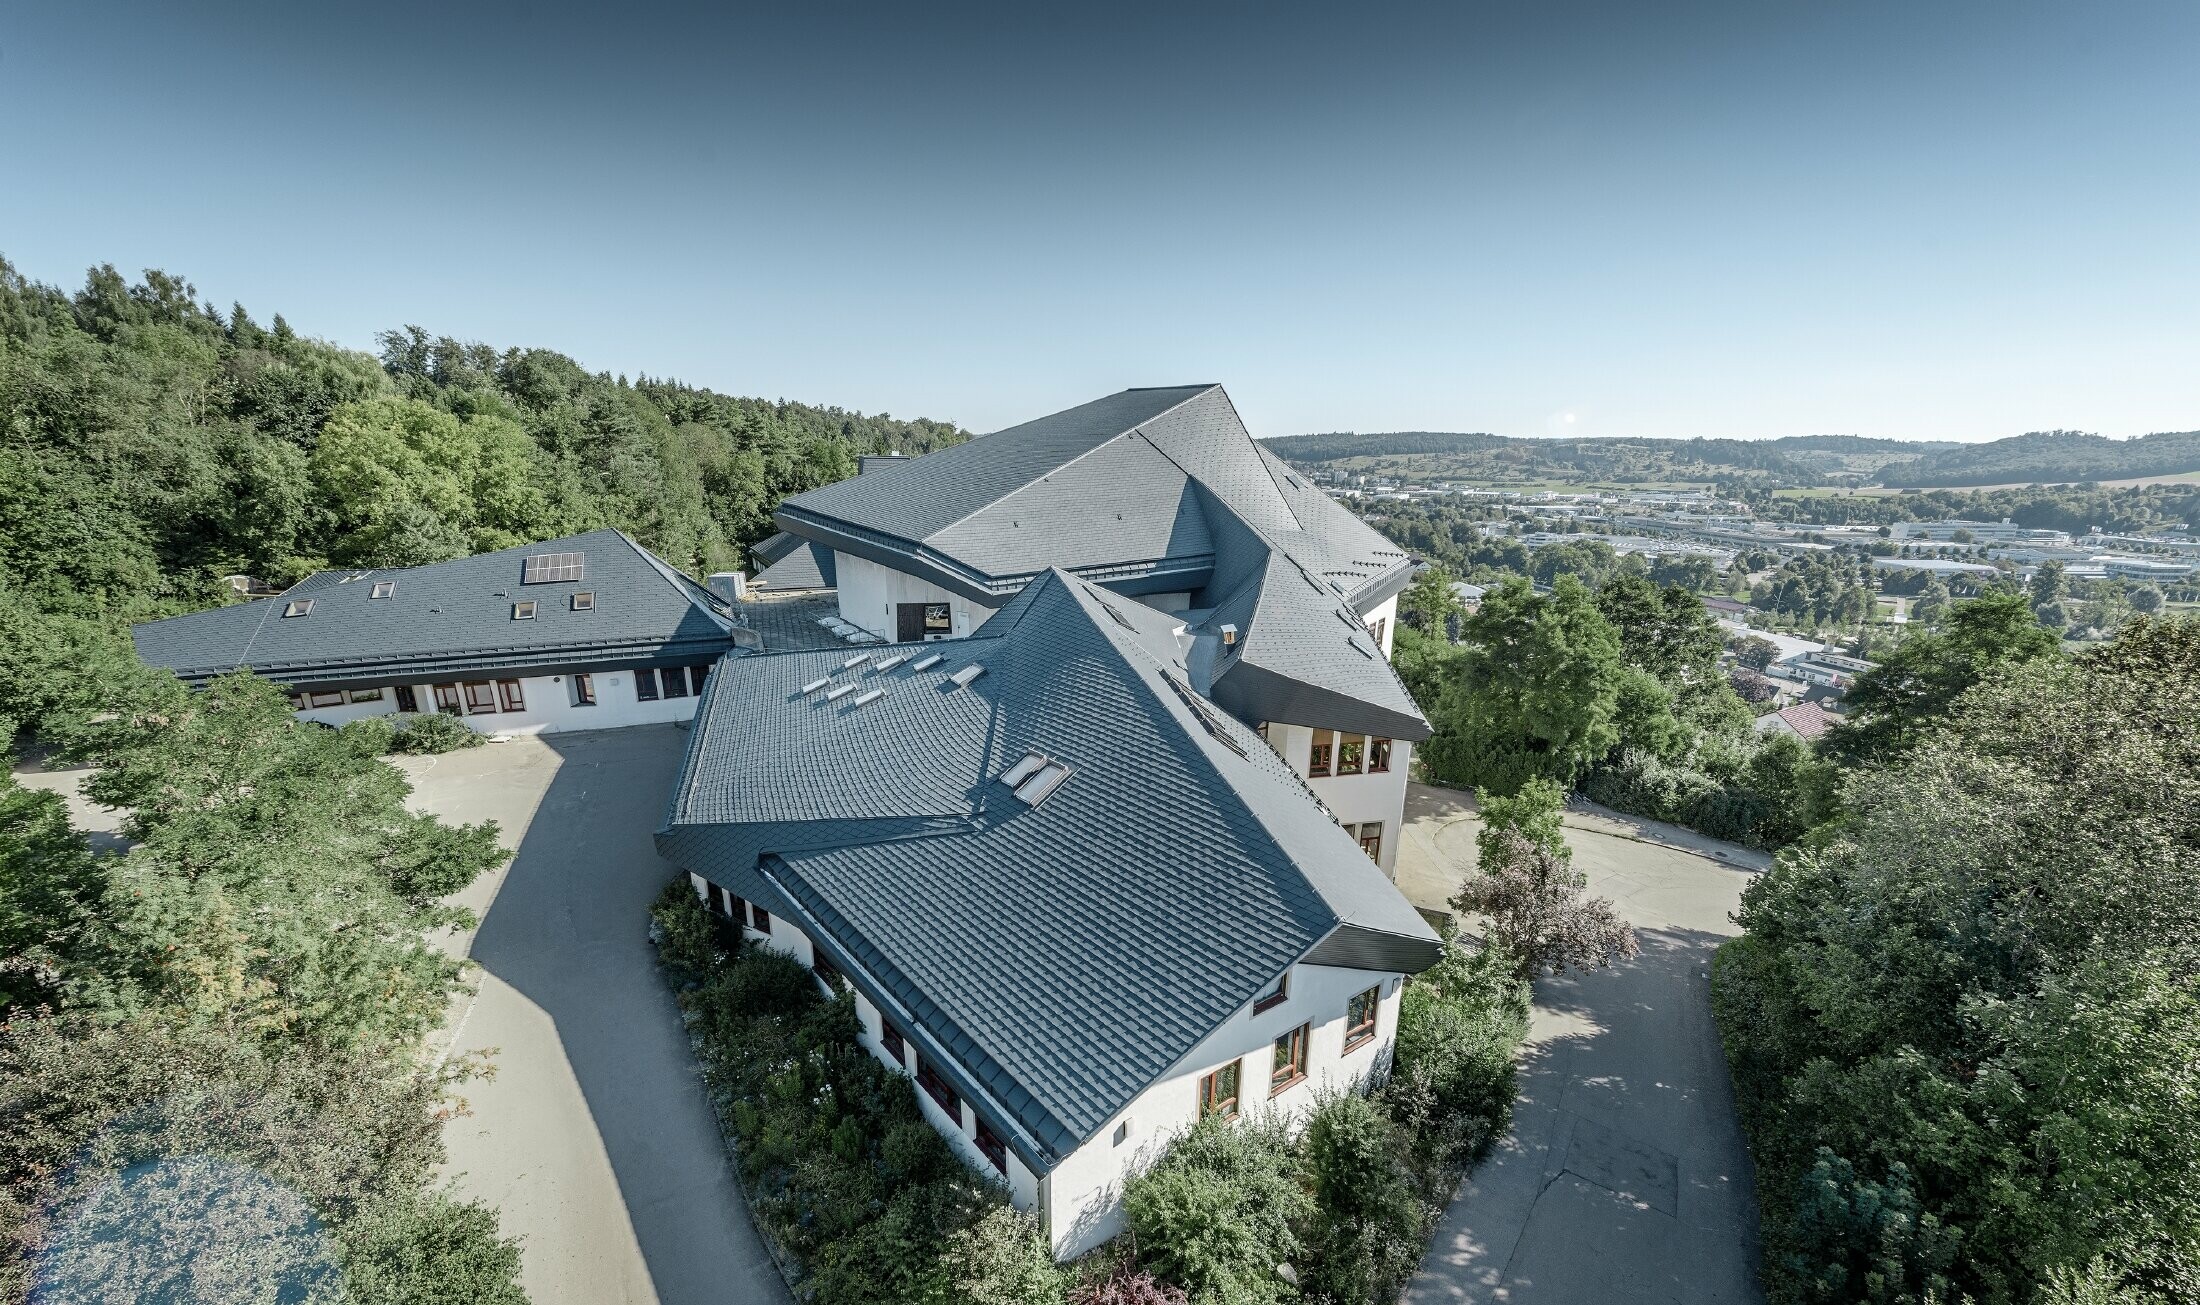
1582 221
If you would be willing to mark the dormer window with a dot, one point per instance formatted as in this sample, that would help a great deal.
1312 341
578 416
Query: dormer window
298 607
585 601
382 589
523 611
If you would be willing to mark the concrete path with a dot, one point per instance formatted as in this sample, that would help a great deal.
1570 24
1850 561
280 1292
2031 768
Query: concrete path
1625 1178
594 1139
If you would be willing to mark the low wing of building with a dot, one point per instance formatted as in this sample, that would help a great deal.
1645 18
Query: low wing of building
1073 897
557 635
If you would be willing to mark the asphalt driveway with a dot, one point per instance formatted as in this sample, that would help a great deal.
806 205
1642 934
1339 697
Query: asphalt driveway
1625 1178
594 1139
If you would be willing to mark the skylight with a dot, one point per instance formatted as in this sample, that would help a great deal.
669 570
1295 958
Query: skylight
523 611
584 601
298 607
814 685
1021 771
1042 783
963 677
548 568
926 664
382 589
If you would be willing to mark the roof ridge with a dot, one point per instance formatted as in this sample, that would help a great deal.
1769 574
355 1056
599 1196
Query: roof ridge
1133 428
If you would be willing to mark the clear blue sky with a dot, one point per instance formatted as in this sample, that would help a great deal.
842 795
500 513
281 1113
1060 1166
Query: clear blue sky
1919 219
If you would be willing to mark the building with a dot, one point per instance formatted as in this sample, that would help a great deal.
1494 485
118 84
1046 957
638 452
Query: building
1075 900
1935 565
585 632
1805 720
2003 531
1161 496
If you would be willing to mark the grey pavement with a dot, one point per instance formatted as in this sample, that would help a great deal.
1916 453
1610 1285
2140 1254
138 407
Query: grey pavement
1625 1178
594 1139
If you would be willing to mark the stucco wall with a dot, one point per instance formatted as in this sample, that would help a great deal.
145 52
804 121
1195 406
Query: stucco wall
1387 613
549 707
1353 799
1084 1198
870 595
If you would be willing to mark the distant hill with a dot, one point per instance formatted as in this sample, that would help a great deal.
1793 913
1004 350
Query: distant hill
2053 455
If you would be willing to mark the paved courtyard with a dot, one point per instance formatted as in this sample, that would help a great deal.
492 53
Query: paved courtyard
594 1139
1625 1178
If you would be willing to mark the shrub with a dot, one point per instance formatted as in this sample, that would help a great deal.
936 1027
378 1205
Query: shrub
1125 1285
1004 1259
686 935
1219 1212
434 734
1369 1227
1537 908
1459 1023
371 735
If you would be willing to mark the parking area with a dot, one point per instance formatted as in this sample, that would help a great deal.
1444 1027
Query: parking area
594 1139
1624 1179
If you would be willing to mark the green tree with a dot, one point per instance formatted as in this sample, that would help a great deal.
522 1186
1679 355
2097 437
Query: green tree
1903 699
1534 694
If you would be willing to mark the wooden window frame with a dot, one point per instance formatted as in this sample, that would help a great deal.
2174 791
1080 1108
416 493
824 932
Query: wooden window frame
937 1087
759 918
584 690
313 698
489 695
363 695
1319 754
1374 853
408 698
1357 1036
1275 996
448 700
1211 1101
1378 756
697 675
645 684
990 1146
1351 753
1288 1071
675 682
822 966
891 1041
510 696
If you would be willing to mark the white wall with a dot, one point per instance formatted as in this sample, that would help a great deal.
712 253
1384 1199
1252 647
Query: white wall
1085 1190
870 595
549 706
1386 612
1353 799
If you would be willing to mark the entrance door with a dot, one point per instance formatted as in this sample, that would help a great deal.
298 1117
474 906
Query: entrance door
909 622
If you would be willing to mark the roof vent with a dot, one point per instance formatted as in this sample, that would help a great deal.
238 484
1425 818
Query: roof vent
548 568
889 663
382 589
814 685
855 661
869 696
1042 783
1229 636
926 664
839 693
298 607
1021 771
963 677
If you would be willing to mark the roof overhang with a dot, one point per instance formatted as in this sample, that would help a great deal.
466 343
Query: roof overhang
456 663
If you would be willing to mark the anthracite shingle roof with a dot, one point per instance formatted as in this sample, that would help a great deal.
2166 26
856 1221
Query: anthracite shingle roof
792 565
451 618
1148 491
1062 956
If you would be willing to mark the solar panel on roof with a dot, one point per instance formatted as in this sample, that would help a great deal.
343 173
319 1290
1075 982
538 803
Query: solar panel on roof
927 664
963 677
548 568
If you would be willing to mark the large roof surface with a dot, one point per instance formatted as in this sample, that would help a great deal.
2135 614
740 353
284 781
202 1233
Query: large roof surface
450 618
1064 955
1153 490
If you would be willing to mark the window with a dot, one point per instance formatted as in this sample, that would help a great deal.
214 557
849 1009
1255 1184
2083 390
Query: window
382 589
548 568
1378 756
508 692
759 918
992 1148
1378 628
1275 996
1290 1060
584 690
935 619
523 611
329 698
822 966
297 607
585 601
366 695
446 699
676 682
407 700
1371 840
716 897
890 1038
1122 1131
1218 1092
696 676
1359 1018
1317 758
1351 748
936 1087
481 696
645 684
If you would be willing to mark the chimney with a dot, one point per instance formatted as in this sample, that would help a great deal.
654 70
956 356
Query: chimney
732 586
1229 635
